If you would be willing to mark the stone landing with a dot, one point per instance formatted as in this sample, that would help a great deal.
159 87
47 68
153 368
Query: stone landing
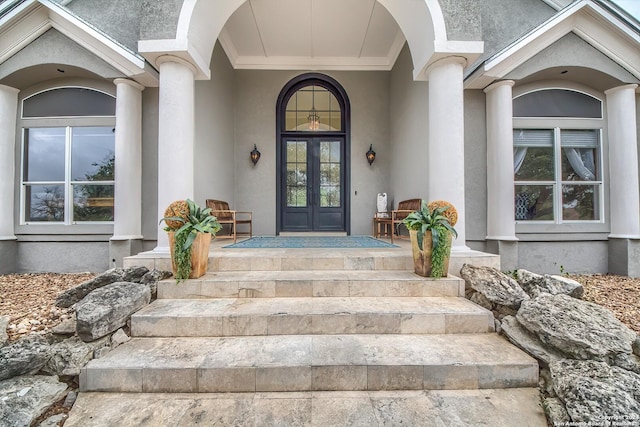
311 337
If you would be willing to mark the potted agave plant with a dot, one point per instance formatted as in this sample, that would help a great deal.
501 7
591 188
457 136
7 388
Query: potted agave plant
431 230
190 231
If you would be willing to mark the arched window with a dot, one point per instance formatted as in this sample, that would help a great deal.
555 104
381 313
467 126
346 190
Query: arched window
312 109
557 152
68 157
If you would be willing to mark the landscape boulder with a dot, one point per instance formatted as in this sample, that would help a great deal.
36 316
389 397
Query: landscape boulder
68 357
502 292
25 356
4 322
107 309
529 342
71 296
579 329
152 278
594 392
535 284
23 399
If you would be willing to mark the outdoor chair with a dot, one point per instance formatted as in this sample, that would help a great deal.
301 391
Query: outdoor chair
388 223
229 218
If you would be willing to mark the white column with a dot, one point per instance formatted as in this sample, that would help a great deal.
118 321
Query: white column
8 113
623 158
176 112
128 180
446 138
500 184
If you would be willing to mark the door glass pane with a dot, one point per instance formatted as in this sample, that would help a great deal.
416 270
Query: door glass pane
44 150
580 202
93 203
330 174
44 203
534 203
92 154
64 102
296 179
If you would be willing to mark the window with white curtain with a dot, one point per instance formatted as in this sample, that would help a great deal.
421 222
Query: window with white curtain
557 162
68 157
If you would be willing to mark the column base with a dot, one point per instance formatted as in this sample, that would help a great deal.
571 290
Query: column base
624 257
119 249
508 251
9 258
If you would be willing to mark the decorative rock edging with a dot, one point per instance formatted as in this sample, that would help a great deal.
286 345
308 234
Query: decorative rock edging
589 361
104 304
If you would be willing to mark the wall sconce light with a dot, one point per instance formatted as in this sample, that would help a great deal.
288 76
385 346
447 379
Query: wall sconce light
371 155
255 154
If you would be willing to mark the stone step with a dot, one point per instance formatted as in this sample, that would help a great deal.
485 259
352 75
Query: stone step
311 363
305 283
310 316
491 407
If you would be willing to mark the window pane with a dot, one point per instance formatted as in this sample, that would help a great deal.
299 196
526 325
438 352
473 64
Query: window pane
579 164
534 164
580 202
66 102
44 203
557 103
580 155
92 154
44 150
534 203
93 202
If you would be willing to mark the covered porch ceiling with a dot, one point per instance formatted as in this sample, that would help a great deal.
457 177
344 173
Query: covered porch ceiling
312 34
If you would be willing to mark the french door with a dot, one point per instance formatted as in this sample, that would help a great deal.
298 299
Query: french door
312 183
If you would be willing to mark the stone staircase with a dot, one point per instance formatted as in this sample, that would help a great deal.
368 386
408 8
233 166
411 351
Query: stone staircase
295 324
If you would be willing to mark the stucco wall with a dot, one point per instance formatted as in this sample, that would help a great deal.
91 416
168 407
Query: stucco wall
255 120
53 47
408 111
572 51
462 19
159 19
567 256
62 257
475 164
503 21
120 19
214 132
150 165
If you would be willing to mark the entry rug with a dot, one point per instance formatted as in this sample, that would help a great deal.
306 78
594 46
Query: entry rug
311 242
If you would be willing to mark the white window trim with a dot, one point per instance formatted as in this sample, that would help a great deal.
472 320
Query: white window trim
553 227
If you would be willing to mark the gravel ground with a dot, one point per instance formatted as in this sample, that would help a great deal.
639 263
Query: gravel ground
28 299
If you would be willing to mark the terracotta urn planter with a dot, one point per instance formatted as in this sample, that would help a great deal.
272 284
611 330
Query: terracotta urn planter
422 261
199 254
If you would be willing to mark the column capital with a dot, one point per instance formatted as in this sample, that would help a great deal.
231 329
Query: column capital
613 90
498 84
9 89
129 82
461 60
170 58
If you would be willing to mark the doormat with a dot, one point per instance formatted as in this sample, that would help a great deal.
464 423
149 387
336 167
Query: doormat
355 242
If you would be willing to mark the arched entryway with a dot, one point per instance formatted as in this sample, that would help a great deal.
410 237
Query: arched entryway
313 155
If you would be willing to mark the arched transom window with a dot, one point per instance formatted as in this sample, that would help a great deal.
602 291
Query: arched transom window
313 109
